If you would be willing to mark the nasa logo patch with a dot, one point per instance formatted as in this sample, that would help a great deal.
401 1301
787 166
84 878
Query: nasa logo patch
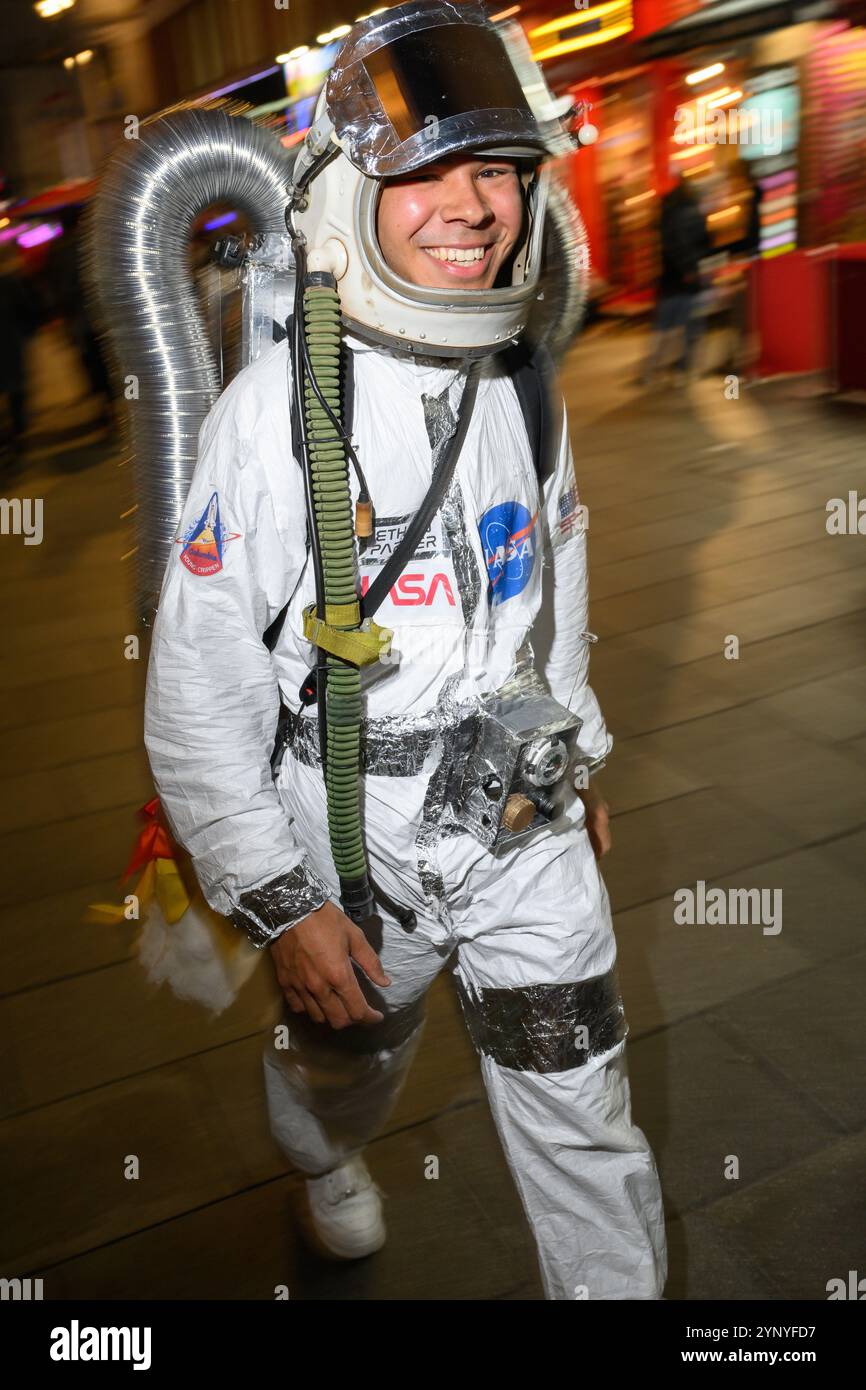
508 540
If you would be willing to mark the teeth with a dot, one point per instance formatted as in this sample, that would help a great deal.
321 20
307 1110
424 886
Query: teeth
453 253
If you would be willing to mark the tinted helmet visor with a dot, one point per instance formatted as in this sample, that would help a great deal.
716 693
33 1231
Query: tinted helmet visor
425 80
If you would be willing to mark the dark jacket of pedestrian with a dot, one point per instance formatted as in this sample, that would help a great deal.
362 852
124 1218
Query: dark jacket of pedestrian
685 241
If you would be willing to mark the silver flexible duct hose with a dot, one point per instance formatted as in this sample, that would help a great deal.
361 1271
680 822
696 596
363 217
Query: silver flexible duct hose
137 267
556 319
558 312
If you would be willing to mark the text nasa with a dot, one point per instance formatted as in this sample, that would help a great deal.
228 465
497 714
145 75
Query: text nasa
413 590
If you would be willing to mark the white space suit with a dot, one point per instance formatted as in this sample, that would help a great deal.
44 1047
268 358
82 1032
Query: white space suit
527 930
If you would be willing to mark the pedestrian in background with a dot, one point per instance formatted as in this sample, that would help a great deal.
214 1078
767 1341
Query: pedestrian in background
685 241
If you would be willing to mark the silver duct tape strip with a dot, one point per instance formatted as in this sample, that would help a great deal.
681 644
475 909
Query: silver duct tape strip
138 276
394 746
462 555
435 824
441 424
268 293
265 913
439 420
434 816
545 1028
435 821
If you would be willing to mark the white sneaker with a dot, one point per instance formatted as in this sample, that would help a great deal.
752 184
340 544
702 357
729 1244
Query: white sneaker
345 1211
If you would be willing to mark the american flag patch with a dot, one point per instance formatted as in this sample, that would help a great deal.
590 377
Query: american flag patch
569 504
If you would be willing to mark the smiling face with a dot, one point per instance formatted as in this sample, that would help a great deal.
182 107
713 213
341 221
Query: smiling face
452 224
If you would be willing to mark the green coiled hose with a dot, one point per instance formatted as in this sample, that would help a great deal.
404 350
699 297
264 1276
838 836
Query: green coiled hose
332 505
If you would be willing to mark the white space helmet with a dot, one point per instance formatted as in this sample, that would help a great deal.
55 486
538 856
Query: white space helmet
409 86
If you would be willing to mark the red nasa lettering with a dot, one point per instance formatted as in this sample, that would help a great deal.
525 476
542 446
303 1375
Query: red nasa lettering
410 591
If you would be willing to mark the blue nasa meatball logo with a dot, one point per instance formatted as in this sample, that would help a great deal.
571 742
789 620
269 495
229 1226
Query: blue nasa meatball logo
508 540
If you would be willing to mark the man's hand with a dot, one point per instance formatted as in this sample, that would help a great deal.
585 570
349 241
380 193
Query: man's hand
597 819
313 961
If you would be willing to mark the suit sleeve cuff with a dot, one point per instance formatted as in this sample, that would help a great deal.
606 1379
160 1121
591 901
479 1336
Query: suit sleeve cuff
593 762
264 913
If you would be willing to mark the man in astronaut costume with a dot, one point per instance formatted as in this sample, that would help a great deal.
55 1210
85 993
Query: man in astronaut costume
526 929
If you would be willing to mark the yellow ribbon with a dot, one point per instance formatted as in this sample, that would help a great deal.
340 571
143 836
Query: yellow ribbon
160 880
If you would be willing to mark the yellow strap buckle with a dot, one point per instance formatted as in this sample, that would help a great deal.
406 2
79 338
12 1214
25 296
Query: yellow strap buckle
360 646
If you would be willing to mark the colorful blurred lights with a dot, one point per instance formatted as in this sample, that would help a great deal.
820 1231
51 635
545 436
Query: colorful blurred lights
704 74
49 9
35 236
332 34
724 100
598 24
222 220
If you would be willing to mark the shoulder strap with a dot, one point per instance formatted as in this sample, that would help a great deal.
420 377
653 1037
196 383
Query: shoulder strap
533 374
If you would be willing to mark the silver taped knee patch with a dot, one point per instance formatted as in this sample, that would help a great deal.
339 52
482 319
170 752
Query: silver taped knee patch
545 1028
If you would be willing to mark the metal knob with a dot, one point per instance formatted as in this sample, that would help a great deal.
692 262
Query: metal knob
518 813
545 761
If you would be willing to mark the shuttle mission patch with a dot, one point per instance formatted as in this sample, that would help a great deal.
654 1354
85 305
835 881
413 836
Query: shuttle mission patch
508 540
203 543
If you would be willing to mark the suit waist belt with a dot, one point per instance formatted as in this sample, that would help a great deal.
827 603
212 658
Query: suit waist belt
394 746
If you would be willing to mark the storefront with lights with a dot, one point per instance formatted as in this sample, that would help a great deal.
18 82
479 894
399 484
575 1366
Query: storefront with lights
753 100
793 95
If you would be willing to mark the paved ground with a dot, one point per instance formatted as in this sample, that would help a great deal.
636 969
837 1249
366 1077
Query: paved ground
706 521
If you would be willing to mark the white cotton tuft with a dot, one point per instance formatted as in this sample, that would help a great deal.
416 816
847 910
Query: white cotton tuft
202 957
